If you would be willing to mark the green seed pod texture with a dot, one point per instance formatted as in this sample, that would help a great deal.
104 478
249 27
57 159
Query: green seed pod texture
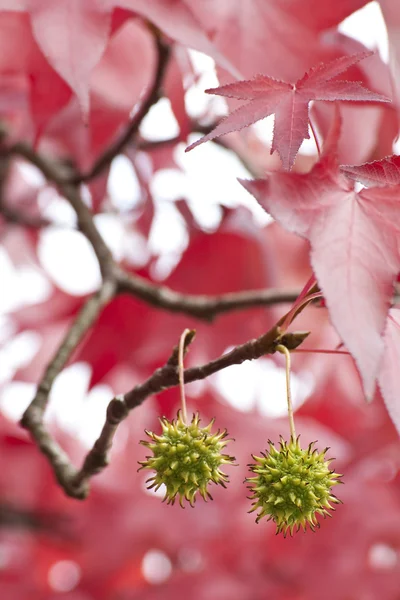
291 486
186 459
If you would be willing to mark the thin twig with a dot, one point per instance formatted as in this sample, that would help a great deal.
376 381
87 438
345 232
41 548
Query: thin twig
167 377
83 322
196 127
163 53
98 457
76 484
10 213
32 419
322 351
200 306
16 217
57 174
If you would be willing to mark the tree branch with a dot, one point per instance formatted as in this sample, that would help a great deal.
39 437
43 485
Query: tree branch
32 419
15 217
59 175
200 306
196 127
11 214
163 53
167 376
77 483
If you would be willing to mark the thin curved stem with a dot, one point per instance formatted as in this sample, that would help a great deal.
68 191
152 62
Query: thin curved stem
311 350
298 307
154 94
283 350
181 371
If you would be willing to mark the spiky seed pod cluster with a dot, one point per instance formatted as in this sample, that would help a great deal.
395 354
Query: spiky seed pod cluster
291 486
186 459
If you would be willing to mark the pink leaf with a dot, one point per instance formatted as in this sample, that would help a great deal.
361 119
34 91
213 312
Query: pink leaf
354 249
279 38
377 173
123 74
72 35
389 376
179 22
391 15
289 102
26 78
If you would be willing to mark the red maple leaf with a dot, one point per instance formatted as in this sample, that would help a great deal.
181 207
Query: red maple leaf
377 173
289 102
73 35
294 30
354 247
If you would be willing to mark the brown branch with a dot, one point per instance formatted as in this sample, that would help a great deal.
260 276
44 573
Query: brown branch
154 94
16 517
32 418
59 175
196 127
11 214
98 457
166 377
76 482
200 306
15 217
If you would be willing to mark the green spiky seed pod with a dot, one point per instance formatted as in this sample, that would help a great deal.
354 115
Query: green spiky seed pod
291 486
186 459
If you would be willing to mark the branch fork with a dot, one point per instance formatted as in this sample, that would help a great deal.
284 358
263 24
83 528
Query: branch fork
75 481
